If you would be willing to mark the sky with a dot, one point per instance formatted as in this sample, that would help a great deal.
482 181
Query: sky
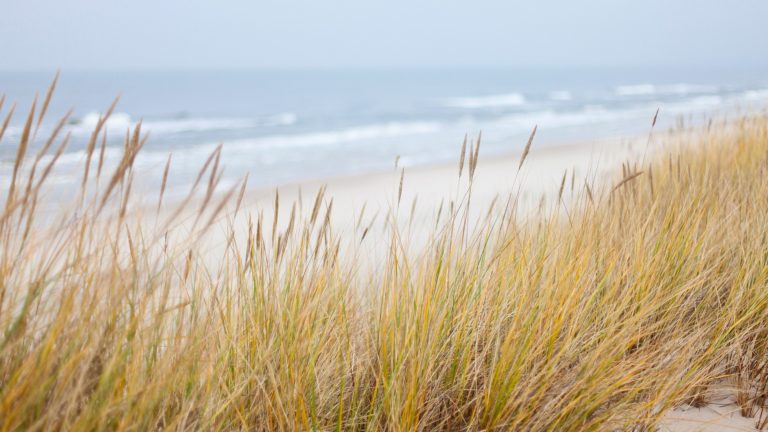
245 34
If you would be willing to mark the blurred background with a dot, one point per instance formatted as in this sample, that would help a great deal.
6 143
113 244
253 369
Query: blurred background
299 90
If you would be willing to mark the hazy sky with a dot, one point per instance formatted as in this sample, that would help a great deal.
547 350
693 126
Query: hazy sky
109 34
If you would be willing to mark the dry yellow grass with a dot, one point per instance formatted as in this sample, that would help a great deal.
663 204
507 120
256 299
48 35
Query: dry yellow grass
643 295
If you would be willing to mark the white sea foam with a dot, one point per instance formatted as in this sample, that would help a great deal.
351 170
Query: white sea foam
78 156
552 119
704 101
117 120
687 89
756 95
284 119
214 124
70 161
635 90
194 125
593 114
361 133
681 89
122 121
11 131
492 101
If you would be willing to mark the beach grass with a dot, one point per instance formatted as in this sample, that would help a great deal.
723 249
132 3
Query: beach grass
617 301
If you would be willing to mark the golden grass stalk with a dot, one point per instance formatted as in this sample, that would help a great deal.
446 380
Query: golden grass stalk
527 147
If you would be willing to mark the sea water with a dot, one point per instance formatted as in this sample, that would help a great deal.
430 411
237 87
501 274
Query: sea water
286 126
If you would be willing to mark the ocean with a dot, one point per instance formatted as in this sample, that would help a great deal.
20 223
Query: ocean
288 126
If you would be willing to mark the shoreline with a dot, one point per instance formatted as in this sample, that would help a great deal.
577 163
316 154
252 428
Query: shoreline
424 190
546 149
378 191
585 161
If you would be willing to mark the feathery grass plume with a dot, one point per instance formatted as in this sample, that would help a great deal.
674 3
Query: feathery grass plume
412 213
360 216
589 193
368 227
471 155
650 178
214 177
322 232
316 206
474 156
89 148
183 205
44 150
217 210
300 199
241 195
291 220
400 186
259 241
7 120
102 151
126 195
132 145
562 186
20 152
573 179
276 214
215 154
527 147
164 182
46 101
49 167
628 177
463 153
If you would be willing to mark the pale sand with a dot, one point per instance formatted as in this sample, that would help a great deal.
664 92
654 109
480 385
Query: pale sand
496 175
722 414
540 175
597 163
714 417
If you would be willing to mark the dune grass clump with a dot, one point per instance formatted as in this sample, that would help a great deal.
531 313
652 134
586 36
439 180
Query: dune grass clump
620 301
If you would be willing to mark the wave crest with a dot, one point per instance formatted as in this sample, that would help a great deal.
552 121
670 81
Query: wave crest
492 101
